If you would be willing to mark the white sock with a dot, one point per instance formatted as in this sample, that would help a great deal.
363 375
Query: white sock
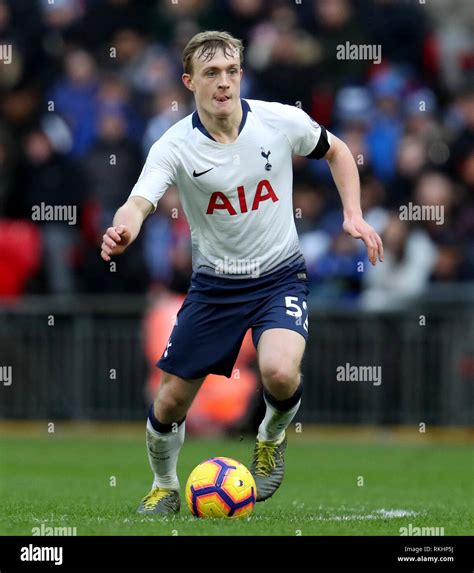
275 422
163 450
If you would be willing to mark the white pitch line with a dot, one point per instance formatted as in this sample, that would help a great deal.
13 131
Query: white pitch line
377 514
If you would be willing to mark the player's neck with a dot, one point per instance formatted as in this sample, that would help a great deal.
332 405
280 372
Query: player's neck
223 130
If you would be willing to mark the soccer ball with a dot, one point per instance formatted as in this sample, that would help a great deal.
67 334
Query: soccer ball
221 487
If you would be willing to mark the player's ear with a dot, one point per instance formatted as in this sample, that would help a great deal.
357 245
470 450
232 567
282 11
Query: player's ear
188 82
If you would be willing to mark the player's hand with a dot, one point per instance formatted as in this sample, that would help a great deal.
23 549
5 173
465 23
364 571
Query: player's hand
115 241
359 229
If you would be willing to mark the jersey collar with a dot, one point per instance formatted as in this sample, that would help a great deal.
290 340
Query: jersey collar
197 120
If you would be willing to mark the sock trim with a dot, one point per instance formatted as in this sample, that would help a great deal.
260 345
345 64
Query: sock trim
288 403
159 426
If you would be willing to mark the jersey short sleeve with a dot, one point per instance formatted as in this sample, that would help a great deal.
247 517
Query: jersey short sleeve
305 135
157 174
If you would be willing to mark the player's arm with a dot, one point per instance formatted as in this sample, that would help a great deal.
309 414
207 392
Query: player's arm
156 176
126 225
346 177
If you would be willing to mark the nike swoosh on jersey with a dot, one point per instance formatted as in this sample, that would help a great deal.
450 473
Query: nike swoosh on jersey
202 172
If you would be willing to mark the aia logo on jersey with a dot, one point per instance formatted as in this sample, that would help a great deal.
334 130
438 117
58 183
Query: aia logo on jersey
219 200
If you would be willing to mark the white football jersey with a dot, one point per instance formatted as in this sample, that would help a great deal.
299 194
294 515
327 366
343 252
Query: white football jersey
237 197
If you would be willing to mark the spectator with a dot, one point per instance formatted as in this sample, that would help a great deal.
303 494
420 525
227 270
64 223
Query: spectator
410 257
170 106
145 67
463 144
333 23
410 161
400 28
242 16
111 167
74 97
384 135
51 179
285 57
436 192
167 240
454 35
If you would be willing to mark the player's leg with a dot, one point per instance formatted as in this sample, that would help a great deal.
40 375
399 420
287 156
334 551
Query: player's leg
164 438
166 427
279 331
280 352
279 357
205 339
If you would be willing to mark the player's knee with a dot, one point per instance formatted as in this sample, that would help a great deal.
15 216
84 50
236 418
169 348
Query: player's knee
279 379
169 408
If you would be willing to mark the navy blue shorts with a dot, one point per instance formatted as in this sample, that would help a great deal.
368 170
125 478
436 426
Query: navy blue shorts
217 312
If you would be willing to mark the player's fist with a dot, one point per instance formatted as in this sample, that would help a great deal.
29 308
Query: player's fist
115 241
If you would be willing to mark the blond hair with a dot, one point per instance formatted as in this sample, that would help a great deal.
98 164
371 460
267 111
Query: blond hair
206 44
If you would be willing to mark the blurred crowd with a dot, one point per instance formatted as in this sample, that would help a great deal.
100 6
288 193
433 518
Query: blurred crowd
93 83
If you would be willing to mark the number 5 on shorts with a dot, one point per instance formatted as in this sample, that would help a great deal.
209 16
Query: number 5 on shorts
293 309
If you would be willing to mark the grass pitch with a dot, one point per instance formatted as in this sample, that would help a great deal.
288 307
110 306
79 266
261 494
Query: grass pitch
337 488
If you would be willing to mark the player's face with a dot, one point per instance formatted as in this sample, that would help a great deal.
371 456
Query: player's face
216 84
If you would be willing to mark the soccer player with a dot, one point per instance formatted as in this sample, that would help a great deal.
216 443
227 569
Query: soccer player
231 161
